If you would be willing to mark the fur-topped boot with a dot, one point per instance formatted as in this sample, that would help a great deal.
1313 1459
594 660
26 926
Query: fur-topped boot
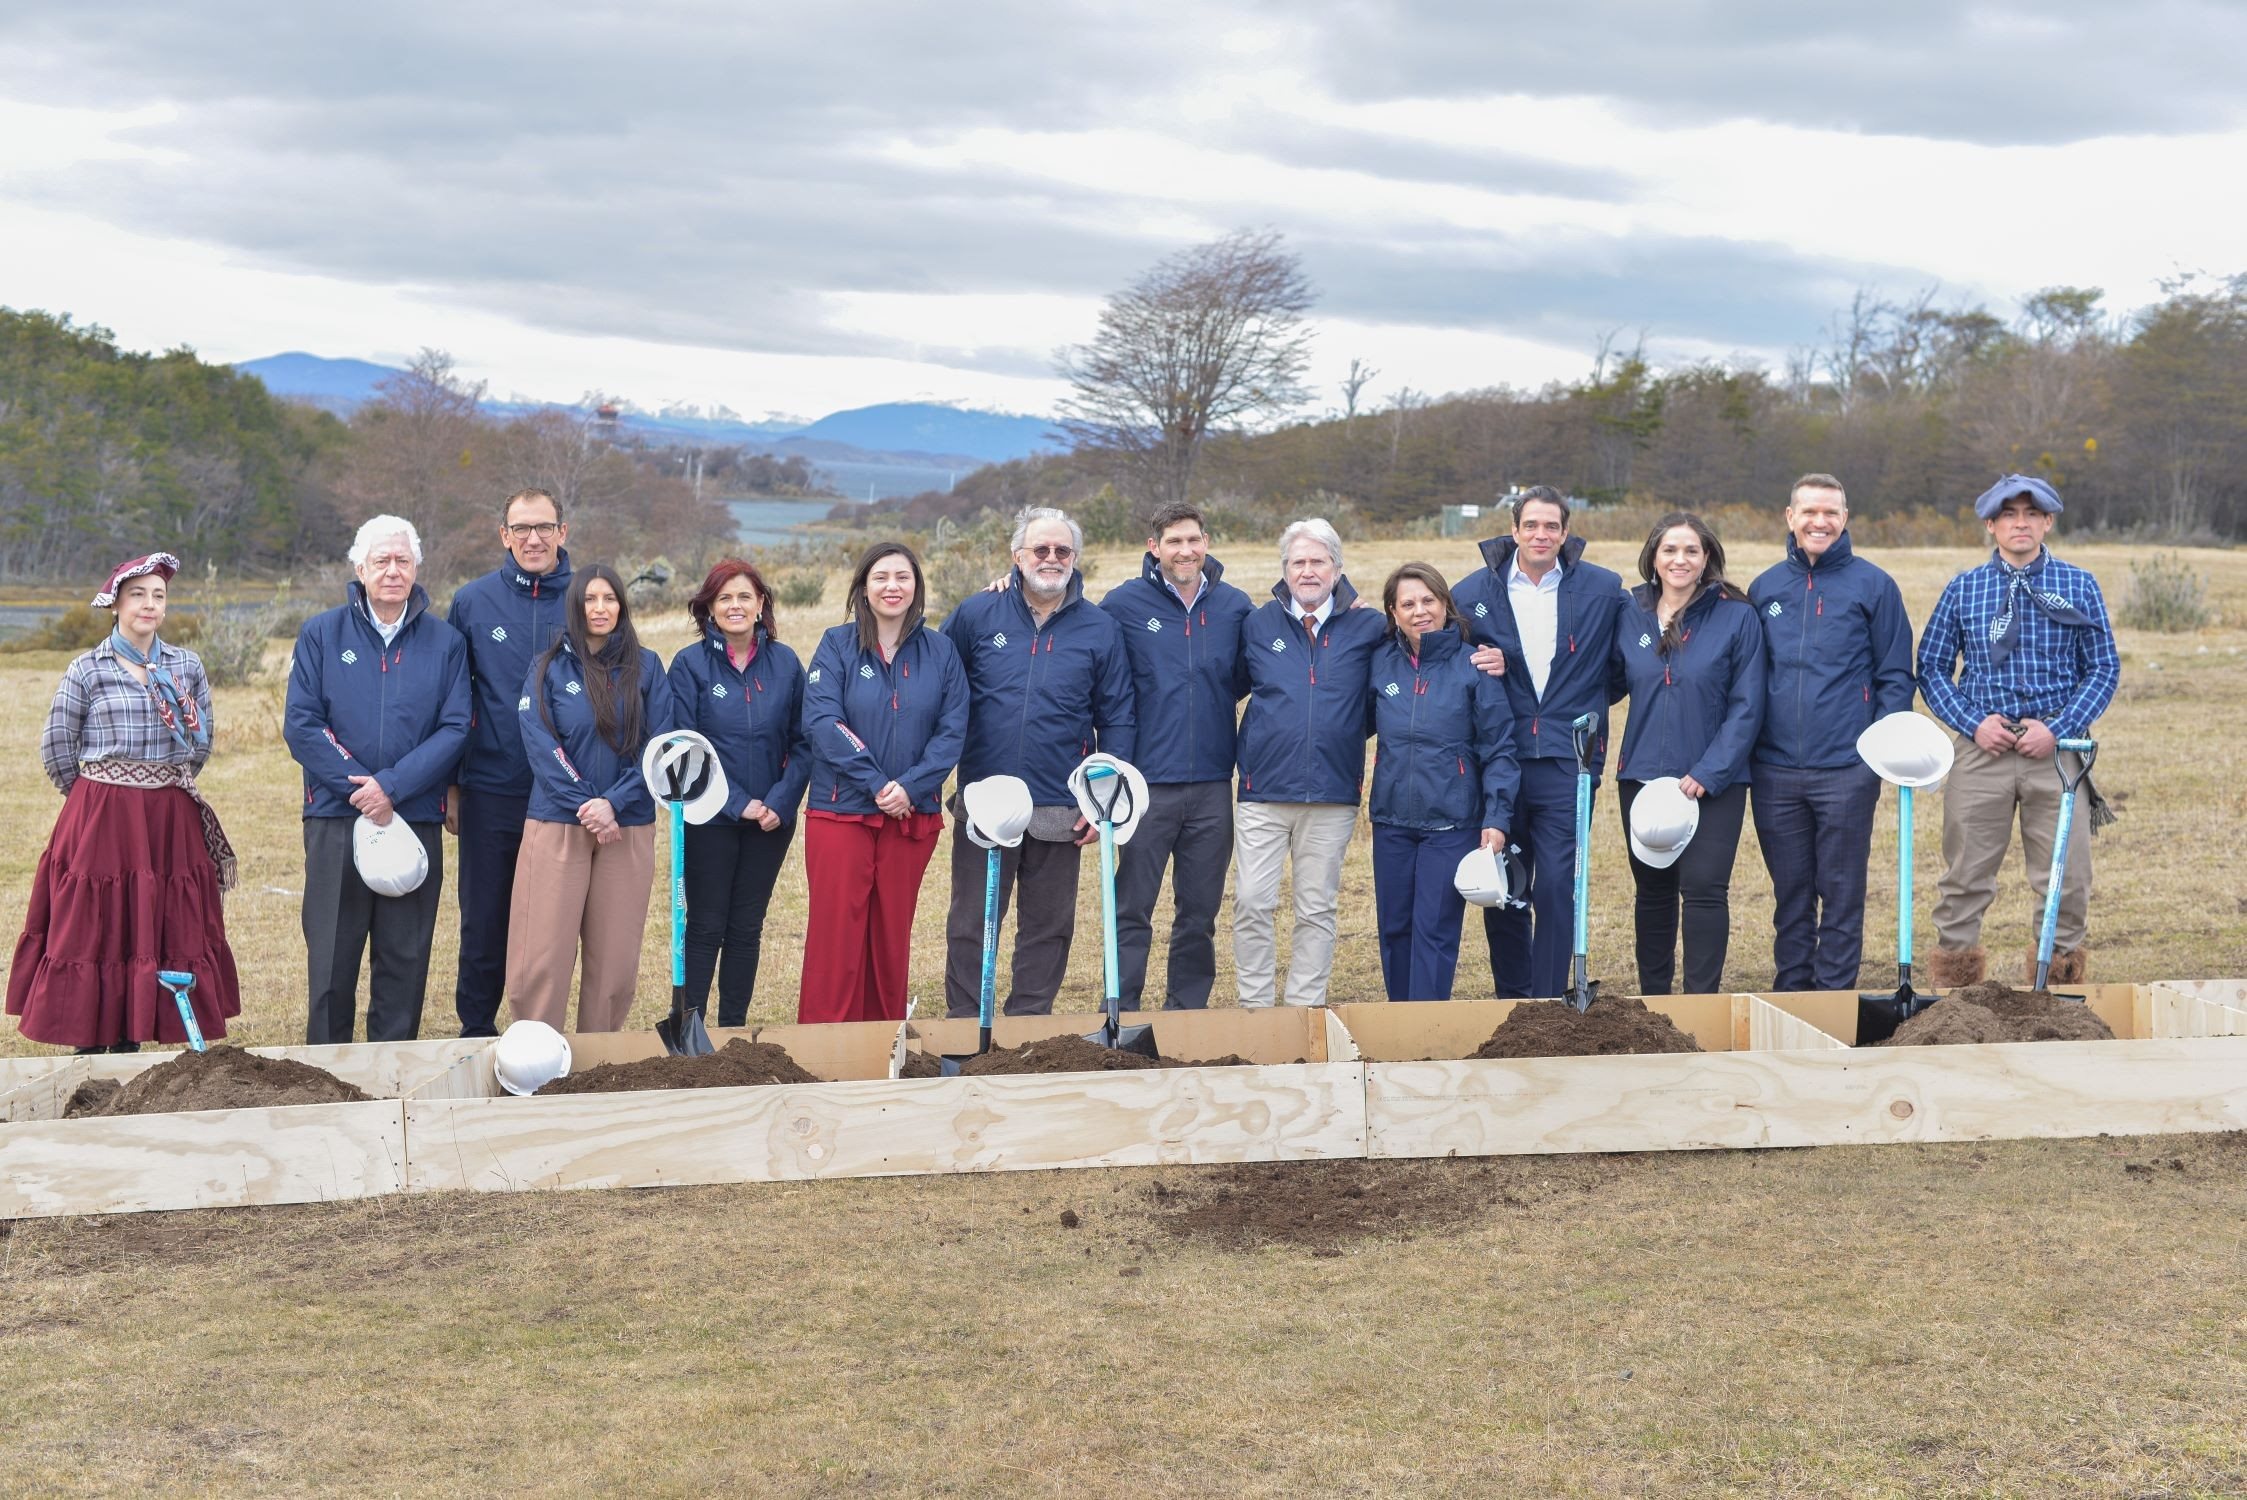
2068 966
1955 968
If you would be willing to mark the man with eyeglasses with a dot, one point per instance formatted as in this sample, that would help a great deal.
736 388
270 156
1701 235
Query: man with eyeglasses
1049 682
376 714
508 616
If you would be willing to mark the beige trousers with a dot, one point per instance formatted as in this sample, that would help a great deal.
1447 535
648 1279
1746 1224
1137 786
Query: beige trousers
571 892
1980 801
1269 837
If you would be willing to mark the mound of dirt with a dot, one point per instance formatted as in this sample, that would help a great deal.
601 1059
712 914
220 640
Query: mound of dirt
222 1078
921 1065
1614 1025
1073 1054
737 1064
1324 1205
1992 1012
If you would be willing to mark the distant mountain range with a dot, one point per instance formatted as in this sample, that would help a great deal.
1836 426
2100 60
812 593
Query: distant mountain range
867 449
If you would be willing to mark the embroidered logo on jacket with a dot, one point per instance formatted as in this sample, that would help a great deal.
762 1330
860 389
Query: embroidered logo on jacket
999 639
523 704
1481 611
1153 623
499 632
1644 641
573 688
717 690
1775 609
1391 690
349 656
1278 644
865 669
814 675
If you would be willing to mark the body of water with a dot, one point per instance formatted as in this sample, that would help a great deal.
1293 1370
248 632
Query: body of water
765 522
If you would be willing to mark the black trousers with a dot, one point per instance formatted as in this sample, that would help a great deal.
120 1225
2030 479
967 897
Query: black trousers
1699 886
343 920
730 870
491 834
1816 831
1530 950
1189 823
1044 877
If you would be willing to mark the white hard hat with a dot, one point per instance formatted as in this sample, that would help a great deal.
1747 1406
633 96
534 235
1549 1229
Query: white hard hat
389 856
1486 879
1128 806
1907 749
682 766
528 1056
998 810
1663 822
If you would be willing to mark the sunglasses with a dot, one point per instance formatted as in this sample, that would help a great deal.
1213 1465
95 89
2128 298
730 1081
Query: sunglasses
1052 552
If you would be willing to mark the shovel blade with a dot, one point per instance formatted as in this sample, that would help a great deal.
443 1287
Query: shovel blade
1580 1000
1138 1040
683 1034
1878 1016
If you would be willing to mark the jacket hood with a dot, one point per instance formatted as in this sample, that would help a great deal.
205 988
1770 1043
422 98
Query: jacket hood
533 585
1837 552
1345 596
416 603
1435 645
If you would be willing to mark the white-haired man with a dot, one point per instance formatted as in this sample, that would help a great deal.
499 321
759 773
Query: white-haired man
377 715
1305 657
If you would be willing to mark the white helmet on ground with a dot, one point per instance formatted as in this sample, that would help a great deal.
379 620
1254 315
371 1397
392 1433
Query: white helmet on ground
388 856
528 1056
1907 749
1129 802
998 811
1663 822
682 766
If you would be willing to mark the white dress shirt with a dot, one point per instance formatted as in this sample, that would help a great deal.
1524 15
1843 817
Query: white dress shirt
1318 616
1536 606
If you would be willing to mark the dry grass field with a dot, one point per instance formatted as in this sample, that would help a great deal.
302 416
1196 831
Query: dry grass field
2017 1319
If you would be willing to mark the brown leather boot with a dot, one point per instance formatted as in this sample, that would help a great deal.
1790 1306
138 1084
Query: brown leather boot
2071 966
1955 968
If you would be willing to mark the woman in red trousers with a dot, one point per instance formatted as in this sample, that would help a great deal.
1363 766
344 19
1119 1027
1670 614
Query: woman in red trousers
131 880
885 713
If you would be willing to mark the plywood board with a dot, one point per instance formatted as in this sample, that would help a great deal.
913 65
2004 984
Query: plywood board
888 1127
1772 1028
383 1069
2231 992
1851 1096
306 1153
1420 1029
1273 1034
2173 1012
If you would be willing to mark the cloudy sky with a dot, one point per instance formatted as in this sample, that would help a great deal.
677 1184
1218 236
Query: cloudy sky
793 206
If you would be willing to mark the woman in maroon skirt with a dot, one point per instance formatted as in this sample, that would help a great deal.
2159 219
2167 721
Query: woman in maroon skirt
130 882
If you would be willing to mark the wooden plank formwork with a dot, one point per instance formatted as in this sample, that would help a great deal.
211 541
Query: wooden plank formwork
872 1125
305 1153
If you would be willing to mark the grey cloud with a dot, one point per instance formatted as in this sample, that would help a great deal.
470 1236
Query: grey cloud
2003 72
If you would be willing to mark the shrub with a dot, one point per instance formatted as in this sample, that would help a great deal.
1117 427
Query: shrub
800 588
2166 595
82 627
233 648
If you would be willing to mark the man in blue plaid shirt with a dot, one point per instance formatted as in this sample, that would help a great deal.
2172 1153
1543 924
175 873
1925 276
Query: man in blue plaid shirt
2039 666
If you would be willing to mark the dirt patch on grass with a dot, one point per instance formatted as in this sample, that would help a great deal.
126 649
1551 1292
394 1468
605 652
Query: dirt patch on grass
1074 1054
739 1063
1327 1205
1613 1026
1993 1012
222 1078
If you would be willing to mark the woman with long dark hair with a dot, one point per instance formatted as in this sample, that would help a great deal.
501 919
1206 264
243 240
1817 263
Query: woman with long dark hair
589 706
1689 651
130 882
1444 779
885 716
743 690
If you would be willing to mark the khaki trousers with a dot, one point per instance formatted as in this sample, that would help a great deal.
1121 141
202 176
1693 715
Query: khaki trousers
1980 801
571 892
1268 837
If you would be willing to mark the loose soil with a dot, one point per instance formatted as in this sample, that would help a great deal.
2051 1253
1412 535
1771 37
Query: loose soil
1073 1054
222 1078
921 1065
1324 1205
1992 1012
739 1063
1613 1026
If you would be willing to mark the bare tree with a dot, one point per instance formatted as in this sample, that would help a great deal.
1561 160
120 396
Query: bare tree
1211 338
1353 385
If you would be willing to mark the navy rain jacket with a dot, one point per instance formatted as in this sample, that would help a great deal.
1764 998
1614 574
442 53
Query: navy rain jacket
869 722
1303 737
1839 653
1696 711
572 765
356 707
1041 699
755 717
1591 604
507 617
1184 671
1445 753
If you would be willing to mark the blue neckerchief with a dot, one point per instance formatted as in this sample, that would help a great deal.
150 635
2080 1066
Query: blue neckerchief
2020 584
170 706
